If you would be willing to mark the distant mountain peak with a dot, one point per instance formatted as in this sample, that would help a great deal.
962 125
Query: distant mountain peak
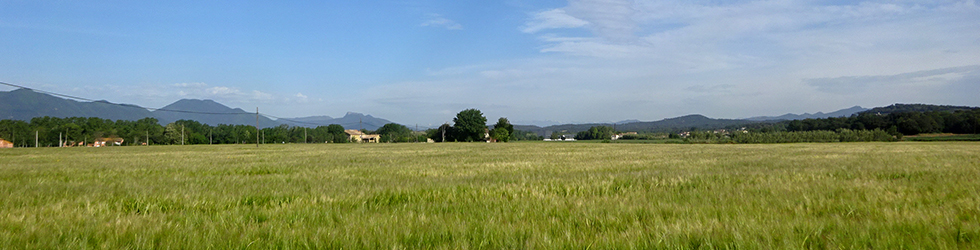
790 116
627 121
356 114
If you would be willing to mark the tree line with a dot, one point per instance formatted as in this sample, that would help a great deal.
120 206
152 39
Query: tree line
842 135
904 123
469 125
50 131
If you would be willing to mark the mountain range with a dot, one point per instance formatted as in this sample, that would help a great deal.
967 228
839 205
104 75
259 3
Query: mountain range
25 104
351 120
665 125
840 113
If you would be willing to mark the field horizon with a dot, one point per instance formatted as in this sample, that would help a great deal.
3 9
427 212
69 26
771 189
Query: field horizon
490 196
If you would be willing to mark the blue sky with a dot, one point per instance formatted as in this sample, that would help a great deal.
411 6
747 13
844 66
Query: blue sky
420 62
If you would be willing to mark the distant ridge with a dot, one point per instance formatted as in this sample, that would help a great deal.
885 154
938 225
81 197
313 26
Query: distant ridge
351 120
217 114
840 113
25 104
666 125
899 108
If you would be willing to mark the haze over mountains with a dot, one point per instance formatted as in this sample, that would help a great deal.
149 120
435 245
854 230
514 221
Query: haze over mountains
25 104
840 113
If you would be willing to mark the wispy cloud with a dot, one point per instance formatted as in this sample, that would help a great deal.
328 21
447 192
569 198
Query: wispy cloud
552 19
858 85
436 20
158 95
666 29
624 59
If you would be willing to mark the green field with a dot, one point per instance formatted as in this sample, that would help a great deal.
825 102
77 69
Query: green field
918 195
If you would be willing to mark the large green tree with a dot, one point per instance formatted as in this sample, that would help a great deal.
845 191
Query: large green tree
503 130
394 132
337 133
596 133
444 133
470 125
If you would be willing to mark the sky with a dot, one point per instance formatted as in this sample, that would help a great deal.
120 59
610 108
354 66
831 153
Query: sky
534 62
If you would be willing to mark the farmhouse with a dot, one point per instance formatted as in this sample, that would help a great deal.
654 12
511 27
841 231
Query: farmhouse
6 144
620 135
486 136
358 136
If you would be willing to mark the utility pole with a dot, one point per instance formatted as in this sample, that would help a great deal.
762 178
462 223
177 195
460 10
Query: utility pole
256 127
148 138
35 138
210 138
304 135
182 134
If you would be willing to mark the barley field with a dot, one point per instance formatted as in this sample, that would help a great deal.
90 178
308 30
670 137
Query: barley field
913 195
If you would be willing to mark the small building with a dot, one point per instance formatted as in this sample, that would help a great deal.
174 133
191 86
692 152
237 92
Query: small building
487 137
101 142
358 136
620 135
6 144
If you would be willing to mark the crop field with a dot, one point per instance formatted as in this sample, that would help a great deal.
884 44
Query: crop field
917 195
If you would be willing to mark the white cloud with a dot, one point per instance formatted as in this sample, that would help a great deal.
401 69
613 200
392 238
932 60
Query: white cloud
860 85
436 20
552 19
190 85
223 92
609 19
160 95
665 29
649 60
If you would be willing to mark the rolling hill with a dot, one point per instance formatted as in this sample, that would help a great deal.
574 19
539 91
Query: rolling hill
665 125
840 113
900 108
351 120
209 112
25 104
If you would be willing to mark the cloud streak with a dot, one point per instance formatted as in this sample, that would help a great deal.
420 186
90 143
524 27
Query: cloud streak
609 60
436 20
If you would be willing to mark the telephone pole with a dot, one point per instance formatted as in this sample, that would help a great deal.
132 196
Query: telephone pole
148 138
182 134
35 138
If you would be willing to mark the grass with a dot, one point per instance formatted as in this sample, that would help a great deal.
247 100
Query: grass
921 195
